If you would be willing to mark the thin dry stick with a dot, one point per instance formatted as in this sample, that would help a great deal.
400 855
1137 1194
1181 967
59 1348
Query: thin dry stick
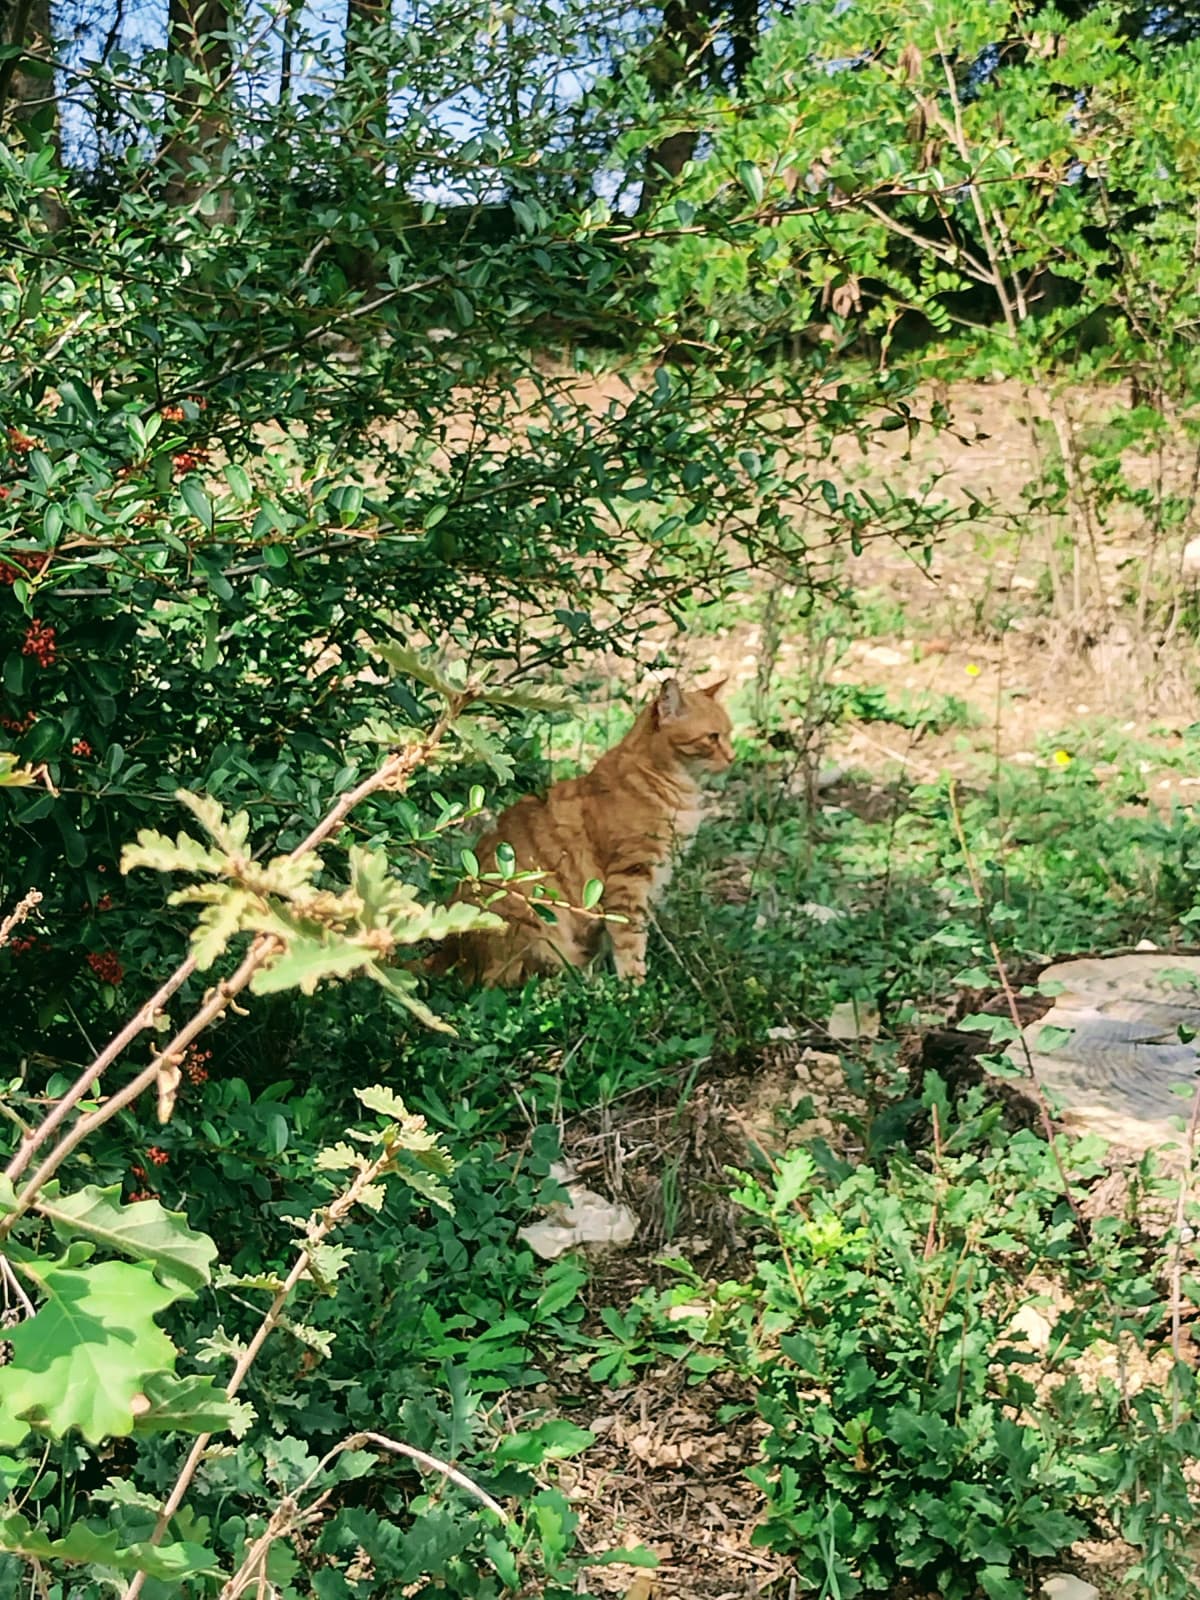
289 1514
1036 1089
137 1024
958 134
1181 1200
332 1219
394 771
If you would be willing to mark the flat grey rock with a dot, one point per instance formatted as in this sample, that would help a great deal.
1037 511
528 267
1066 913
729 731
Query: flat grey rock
1115 1074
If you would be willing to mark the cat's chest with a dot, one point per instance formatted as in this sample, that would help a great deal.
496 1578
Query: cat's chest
687 819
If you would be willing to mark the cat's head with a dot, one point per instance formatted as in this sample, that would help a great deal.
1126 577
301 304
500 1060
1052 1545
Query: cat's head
694 725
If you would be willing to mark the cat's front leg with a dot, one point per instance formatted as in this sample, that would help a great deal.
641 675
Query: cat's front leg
628 896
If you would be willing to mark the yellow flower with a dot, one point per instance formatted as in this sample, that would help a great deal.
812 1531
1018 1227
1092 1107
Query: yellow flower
1061 758
972 670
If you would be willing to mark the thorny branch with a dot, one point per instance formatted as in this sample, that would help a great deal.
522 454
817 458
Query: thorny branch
394 773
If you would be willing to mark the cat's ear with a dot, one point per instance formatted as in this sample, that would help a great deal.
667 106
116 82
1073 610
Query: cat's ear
669 703
712 690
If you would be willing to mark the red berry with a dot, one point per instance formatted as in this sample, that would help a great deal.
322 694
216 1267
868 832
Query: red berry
40 642
106 967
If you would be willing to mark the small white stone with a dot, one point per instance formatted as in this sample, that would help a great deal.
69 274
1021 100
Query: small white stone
853 1021
1190 565
1145 944
1062 1586
882 655
1035 1327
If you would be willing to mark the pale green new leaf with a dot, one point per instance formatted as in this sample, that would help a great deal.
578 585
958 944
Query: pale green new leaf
318 1339
225 1279
83 1359
412 1133
339 1158
440 922
391 735
306 962
531 697
287 877
193 1404
425 1183
413 665
385 898
401 988
327 1262
376 1097
84 1546
160 854
142 1230
216 925
484 746
230 834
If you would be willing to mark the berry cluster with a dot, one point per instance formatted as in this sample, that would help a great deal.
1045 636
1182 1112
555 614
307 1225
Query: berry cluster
142 1194
104 903
158 1155
194 1069
172 413
27 566
40 643
19 725
189 460
82 748
20 442
106 967
25 942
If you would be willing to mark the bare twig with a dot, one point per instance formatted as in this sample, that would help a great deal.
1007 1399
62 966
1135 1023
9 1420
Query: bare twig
1181 1200
318 1231
394 772
18 914
290 1514
1038 1093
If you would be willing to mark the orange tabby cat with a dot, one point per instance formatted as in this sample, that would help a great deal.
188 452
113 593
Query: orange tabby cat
619 823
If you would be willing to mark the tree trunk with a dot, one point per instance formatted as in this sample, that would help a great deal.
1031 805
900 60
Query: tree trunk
197 39
743 31
27 99
681 59
365 23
